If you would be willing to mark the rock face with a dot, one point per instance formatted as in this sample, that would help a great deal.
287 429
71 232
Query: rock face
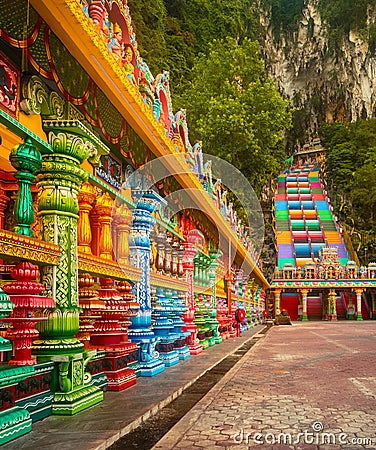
329 84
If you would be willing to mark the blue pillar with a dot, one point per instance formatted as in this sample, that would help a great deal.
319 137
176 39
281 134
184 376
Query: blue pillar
164 328
139 249
178 310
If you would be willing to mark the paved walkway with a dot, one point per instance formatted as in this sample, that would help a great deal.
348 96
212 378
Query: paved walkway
301 387
101 425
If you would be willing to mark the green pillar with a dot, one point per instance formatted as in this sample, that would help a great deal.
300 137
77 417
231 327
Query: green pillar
212 272
27 160
58 182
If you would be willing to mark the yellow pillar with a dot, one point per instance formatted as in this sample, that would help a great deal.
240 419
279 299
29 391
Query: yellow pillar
277 301
332 305
304 294
123 218
86 198
103 208
359 293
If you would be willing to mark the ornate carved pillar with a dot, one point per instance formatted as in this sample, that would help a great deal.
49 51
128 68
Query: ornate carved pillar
167 255
123 218
229 281
4 200
27 160
277 301
103 208
153 250
359 293
95 231
332 305
304 294
139 247
174 257
180 260
212 276
161 237
188 264
58 182
86 198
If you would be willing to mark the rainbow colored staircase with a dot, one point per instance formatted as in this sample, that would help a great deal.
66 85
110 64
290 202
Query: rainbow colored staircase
304 220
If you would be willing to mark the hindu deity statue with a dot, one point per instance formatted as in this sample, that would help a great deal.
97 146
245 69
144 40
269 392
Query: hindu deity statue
127 60
115 43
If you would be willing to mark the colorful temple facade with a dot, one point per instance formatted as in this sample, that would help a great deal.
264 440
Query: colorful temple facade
105 273
316 276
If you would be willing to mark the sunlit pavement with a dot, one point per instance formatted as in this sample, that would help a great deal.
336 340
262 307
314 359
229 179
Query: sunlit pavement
307 386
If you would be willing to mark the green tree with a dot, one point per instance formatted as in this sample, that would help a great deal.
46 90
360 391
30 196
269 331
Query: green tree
351 168
236 110
149 22
363 195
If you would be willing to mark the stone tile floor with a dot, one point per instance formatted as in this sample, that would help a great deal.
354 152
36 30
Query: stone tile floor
307 386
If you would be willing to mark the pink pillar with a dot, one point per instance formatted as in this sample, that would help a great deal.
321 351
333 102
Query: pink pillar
188 265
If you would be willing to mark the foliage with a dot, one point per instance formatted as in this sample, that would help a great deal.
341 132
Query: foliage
285 15
351 168
236 110
171 33
342 16
149 22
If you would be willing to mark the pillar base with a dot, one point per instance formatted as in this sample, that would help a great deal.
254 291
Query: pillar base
151 367
167 352
304 318
73 392
70 403
181 347
359 317
120 376
183 352
194 347
148 357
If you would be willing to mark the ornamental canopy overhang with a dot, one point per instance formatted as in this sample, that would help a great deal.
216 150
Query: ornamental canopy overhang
82 39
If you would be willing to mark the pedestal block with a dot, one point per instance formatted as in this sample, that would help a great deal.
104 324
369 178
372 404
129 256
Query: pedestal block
163 328
222 318
178 310
212 322
201 320
111 335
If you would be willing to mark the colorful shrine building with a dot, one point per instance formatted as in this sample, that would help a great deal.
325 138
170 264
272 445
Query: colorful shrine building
318 276
107 271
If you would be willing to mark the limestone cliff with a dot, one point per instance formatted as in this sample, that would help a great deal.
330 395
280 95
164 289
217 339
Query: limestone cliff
328 83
